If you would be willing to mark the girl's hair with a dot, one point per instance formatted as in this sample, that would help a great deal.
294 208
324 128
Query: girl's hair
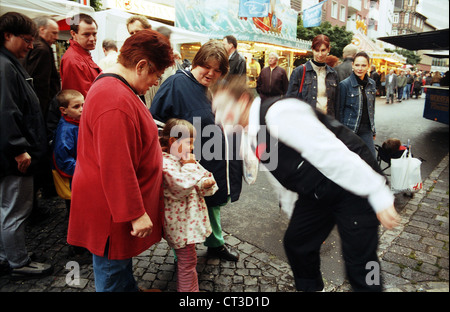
319 40
176 128
146 45
363 54
16 24
213 49
391 145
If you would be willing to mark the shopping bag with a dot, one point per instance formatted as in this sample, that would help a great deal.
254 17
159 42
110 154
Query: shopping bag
405 173
62 185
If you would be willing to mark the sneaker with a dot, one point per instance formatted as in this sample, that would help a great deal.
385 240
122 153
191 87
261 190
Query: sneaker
222 253
31 270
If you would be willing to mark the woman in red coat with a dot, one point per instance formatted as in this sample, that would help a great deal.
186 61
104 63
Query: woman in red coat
116 208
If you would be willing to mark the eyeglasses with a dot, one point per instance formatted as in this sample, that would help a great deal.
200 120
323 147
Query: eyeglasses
27 41
159 77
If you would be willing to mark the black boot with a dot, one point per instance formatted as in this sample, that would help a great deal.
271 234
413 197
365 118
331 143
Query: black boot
222 253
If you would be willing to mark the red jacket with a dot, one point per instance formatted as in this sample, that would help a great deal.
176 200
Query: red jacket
78 70
118 175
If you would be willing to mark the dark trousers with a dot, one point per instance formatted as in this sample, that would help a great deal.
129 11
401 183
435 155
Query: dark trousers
311 223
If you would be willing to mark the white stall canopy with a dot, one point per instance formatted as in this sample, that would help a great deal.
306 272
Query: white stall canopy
112 25
58 9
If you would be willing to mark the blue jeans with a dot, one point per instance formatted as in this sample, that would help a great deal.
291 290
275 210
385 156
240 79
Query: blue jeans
366 134
407 91
113 275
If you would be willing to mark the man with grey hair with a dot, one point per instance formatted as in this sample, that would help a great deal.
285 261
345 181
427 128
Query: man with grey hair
344 70
111 53
40 65
40 62
273 81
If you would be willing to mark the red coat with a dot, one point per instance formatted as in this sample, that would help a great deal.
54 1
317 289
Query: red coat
118 175
78 70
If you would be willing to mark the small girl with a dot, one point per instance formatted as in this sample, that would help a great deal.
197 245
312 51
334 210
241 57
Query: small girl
186 182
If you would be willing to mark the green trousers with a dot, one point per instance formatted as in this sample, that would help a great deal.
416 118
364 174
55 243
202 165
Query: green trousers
216 238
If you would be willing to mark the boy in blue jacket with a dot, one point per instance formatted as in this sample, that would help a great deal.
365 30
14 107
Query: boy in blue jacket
66 135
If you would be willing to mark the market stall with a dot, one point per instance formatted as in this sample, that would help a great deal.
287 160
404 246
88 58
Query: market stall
112 25
269 28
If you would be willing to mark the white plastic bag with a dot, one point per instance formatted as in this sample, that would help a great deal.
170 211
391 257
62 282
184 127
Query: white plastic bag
405 174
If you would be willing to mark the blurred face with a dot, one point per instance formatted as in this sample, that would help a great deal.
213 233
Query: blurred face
50 32
360 66
228 46
320 54
181 148
18 45
86 36
74 109
135 27
208 74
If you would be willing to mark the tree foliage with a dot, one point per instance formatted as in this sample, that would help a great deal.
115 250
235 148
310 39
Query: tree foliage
411 56
339 37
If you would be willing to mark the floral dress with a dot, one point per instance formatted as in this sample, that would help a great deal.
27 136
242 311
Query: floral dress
186 218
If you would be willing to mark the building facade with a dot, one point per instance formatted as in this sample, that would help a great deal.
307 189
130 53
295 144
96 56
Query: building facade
406 18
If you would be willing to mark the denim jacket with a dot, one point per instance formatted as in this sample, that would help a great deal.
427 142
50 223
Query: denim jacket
351 103
309 91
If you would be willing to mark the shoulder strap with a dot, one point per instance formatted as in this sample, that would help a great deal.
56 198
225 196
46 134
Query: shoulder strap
117 77
303 79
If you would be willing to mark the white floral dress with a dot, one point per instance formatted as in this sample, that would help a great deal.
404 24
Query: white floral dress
186 218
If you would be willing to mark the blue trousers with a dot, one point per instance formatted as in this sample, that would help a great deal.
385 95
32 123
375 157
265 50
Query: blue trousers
113 275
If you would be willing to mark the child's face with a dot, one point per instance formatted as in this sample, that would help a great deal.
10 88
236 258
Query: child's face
74 108
181 148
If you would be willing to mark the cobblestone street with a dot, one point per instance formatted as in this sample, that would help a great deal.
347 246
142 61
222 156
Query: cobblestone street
414 256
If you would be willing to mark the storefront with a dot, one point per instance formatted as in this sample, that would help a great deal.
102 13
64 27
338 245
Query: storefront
384 61
273 29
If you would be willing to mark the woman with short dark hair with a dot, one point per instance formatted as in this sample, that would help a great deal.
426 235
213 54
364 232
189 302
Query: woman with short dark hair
185 95
357 95
23 144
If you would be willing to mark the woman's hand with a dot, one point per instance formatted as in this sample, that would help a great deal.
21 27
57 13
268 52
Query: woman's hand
142 226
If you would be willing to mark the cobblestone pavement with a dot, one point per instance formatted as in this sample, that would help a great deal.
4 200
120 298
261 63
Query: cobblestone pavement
414 256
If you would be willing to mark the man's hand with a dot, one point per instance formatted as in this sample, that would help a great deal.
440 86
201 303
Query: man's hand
142 226
23 162
389 218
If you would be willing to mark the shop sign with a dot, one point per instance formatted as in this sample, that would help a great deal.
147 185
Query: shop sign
254 8
312 17
220 18
144 7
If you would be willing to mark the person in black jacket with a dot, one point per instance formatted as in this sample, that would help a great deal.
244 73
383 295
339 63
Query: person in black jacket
40 65
237 62
335 175
185 95
22 144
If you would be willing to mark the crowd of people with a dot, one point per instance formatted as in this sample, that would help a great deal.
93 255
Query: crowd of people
140 149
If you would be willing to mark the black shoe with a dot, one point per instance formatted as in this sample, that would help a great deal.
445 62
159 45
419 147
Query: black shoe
222 253
4 268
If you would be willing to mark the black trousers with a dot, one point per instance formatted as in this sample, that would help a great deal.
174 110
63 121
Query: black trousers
313 219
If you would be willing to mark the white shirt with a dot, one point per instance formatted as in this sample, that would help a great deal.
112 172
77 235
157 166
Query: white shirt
296 125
